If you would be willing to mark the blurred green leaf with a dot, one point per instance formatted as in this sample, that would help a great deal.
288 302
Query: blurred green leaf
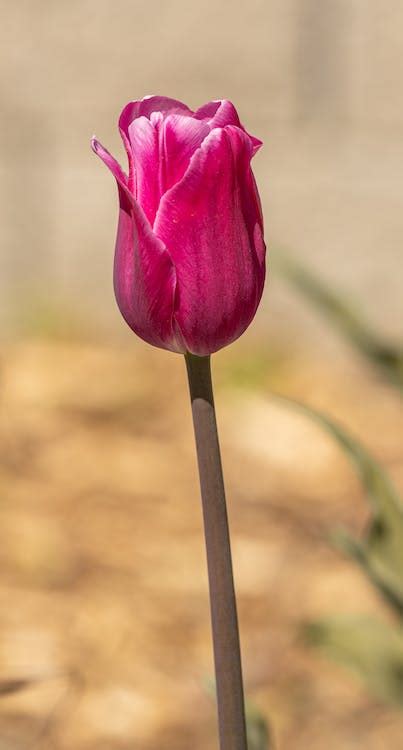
373 650
50 317
257 729
254 368
386 357
380 551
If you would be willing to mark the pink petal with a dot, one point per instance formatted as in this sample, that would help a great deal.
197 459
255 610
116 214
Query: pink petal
161 150
222 112
144 275
180 137
144 281
211 224
219 113
144 145
144 107
110 161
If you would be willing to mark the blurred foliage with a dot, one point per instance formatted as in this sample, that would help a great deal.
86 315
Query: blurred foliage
373 650
51 317
257 368
380 551
257 729
388 359
249 371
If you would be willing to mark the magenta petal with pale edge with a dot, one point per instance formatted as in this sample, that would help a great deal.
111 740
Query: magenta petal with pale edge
181 137
144 275
220 113
211 223
161 150
145 107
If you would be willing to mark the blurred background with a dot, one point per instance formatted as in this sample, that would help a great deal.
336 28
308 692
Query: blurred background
104 624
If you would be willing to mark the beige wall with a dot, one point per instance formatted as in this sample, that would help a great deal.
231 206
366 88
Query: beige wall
319 80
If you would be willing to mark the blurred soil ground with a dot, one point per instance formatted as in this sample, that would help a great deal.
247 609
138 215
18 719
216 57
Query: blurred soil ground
103 590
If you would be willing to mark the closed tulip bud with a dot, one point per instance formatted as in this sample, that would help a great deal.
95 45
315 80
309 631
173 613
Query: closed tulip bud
190 257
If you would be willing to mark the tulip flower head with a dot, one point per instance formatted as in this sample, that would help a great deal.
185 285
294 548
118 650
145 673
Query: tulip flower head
190 257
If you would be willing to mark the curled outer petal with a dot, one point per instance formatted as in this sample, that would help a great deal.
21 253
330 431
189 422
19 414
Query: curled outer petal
144 275
211 223
220 113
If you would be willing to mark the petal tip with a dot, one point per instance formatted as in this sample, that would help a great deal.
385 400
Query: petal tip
257 143
95 144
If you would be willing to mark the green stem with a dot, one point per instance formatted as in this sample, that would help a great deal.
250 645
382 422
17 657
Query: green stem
227 657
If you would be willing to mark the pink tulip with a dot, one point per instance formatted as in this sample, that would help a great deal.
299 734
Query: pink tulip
190 256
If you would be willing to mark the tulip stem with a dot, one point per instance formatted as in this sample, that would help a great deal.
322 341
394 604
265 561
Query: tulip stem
227 656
